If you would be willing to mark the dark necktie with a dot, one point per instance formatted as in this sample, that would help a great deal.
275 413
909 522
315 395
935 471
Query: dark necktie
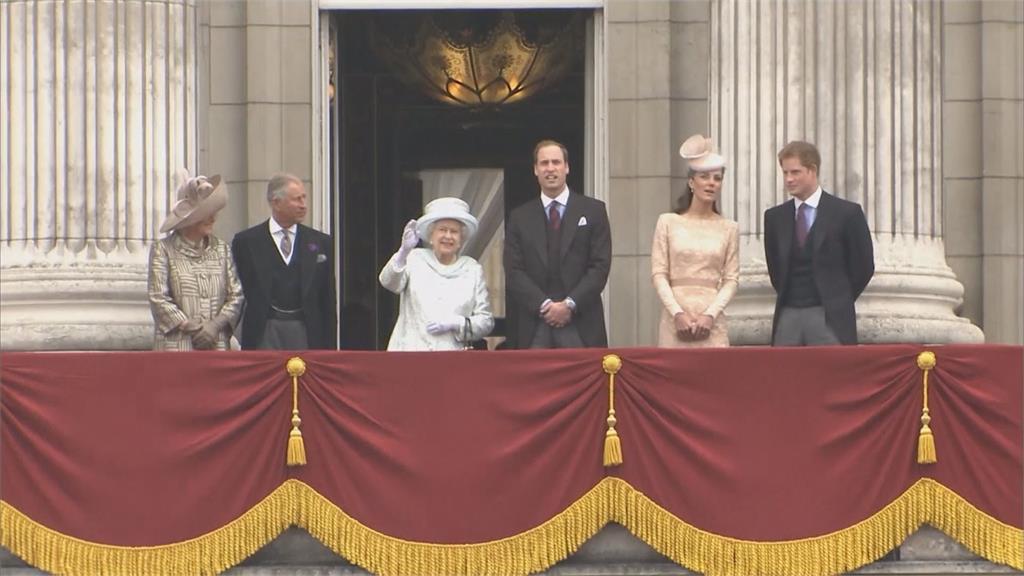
803 224
554 218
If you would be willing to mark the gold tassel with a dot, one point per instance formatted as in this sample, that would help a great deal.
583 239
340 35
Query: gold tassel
612 445
296 447
925 440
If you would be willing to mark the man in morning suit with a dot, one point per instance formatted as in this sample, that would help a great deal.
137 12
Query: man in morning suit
819 254
558 252
287 275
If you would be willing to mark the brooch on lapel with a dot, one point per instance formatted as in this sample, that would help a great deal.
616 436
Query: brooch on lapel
314 247
582 222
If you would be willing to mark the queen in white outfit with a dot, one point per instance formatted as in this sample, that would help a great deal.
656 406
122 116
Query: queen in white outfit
444 302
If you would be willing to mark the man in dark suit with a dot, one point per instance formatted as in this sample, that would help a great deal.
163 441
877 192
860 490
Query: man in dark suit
558 252
287 275
820 256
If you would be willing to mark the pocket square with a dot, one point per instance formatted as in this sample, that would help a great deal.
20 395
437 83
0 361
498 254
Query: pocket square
321 258
582 222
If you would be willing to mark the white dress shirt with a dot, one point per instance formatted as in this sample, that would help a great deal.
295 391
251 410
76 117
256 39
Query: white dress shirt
562 200
277 232
812 205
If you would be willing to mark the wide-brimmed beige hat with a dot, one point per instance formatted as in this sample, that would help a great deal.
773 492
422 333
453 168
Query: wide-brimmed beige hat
699 151
198 199
447 208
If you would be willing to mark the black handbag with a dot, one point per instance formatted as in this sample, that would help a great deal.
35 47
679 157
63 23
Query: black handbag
467 333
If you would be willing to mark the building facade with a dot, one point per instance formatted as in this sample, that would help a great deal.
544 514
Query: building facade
918 108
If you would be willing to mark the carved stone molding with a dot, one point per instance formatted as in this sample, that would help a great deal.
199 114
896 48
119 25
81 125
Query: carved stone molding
99 115
863 82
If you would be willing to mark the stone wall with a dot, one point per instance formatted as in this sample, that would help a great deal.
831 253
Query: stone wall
983 155
658 62
256 102
87 174
99 114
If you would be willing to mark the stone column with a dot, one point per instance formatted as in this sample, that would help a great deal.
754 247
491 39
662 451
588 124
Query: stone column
862 80
99 109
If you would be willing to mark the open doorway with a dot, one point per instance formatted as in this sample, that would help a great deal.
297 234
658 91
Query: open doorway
394 148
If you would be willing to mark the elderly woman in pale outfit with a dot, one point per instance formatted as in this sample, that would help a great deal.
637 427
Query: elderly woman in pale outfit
695 256
444 302
194 292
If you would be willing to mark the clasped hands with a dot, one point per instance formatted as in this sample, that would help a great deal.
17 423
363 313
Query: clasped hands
693 326
204 332
556 314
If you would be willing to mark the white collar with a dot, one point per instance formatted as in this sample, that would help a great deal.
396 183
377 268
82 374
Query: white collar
275 228
562 198
811 201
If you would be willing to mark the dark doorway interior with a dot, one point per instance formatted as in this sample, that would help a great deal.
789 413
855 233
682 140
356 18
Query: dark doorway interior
387 132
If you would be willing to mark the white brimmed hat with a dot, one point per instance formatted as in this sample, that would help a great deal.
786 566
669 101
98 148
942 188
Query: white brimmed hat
198 199
447 208
699 151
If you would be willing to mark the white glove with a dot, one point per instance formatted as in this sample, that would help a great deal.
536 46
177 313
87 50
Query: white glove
409 237
447 324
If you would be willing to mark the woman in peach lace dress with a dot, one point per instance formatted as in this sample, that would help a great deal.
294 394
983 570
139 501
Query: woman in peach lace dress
695 256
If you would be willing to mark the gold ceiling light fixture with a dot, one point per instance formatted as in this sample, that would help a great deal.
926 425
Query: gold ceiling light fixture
481 58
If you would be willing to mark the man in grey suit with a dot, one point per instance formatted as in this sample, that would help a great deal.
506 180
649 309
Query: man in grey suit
820 256
558 252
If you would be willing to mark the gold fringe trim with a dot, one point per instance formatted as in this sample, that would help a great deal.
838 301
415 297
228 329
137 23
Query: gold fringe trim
926 502
211 553
537 549
526 553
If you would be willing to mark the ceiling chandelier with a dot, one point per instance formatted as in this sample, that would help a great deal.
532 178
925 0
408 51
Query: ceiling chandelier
479 58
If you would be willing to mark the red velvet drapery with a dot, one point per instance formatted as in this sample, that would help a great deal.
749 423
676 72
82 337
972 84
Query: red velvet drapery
129 450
